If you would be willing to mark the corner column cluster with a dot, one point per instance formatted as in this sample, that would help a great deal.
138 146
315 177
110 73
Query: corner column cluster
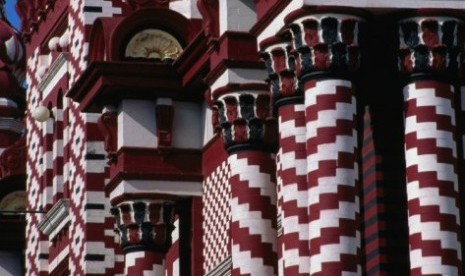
430 54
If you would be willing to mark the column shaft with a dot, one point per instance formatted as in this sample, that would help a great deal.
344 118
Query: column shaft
332 176
292 191
253 213
293 252
432 184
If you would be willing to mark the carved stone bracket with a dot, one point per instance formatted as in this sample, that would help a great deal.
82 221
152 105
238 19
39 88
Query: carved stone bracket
245 118
145 225
431 45
209 9
164 115
108 125
325 42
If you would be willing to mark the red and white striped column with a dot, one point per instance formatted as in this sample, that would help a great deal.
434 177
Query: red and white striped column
327 43
243 115
430 48
293 251
145 228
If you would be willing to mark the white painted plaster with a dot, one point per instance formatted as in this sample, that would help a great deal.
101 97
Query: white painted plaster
239 75
237 15
188 8
136 124
183 188
187 126
207 124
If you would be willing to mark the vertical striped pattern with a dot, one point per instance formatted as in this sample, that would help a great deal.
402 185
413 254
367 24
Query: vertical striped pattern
292 192
375 242
330 111
253 213
58 153
432 185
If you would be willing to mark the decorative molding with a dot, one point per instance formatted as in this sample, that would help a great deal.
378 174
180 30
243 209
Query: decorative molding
164 114
55 219
222 269
108 125
245 119
55 68
153 44
15 201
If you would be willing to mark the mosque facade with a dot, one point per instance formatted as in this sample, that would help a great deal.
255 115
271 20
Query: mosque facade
239 137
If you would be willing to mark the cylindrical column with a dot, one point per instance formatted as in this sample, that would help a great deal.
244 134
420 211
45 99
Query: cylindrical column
293 251
327 53
243 114
430 50
145 231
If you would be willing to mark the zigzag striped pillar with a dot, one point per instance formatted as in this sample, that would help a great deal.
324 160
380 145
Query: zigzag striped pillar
293 251
243 115
328 52
430 48
145 231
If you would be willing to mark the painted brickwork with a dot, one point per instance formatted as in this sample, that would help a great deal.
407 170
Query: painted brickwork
295 181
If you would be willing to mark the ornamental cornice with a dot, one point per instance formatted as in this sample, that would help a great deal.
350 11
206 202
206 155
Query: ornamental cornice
55 219
222 269
55 68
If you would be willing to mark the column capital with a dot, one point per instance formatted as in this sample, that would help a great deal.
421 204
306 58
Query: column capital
145 225
244 116
431 45
279 60
326 40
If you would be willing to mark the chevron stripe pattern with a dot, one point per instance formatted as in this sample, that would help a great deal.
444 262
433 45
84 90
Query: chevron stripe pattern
253 213
332 175
292 192
144 263
432 184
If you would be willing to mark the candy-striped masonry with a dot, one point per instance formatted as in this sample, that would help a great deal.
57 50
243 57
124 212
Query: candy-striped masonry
293 251
253 213
332 177
432 184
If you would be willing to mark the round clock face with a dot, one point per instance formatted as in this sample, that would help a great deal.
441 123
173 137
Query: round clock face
153 44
